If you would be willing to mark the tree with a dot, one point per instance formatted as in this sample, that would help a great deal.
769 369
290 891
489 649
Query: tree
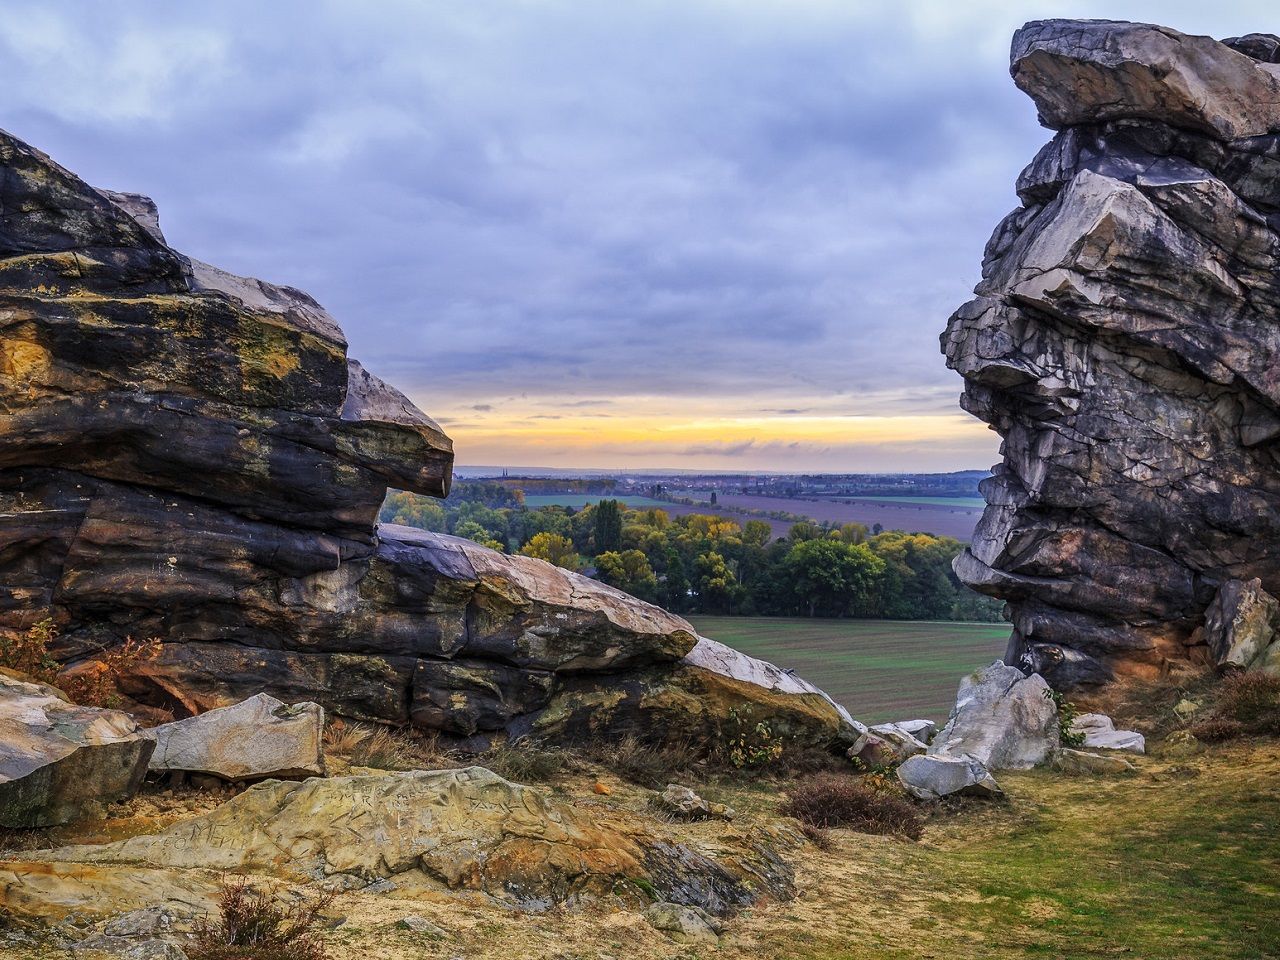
716 584
833 579
473 531
554 549
713 498
756 532
804 530
629 571
608 526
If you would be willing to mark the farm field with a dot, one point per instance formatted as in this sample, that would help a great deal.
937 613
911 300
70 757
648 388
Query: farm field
879 669
579 500
947 521
974 503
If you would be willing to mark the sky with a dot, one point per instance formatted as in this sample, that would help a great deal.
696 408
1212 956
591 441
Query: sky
607 233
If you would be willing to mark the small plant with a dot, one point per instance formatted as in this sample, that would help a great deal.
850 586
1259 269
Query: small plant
1217 729
818 836
255 926
748 745
1252 699
29 652
1067 714
837 800
381 748
651 765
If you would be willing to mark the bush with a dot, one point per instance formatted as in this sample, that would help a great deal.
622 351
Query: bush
1217 729
746 744
526 761
95 684
255 926
1252 699
835 800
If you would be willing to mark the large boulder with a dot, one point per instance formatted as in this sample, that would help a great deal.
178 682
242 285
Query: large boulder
191 455
1002 718
1240 623
1100 733
1124 342
260 737
928 777
60 762
463 830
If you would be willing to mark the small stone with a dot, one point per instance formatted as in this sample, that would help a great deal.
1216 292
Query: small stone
1186 708
684 924
1079 761
1100 733
683 803
421 925
601 788
381 886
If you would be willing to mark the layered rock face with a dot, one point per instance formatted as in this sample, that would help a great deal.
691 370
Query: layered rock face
1125 343
190 455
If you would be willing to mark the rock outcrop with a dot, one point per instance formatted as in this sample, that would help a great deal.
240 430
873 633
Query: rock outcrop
1003 719
1125 343
60 762
463 830
190 455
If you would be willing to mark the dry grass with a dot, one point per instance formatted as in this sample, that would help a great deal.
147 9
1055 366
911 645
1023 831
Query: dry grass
384 748
526 761
254 925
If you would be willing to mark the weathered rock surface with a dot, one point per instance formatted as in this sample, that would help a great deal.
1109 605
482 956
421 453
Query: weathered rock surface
886 744
931 777
1100 733
1081 761
1241 623
684 924
466 830
260 737
1125 343
1003 719
191 455
58 761
684 804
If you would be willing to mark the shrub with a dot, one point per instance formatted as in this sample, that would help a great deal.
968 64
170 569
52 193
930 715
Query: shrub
834 800
819 837
750 745
1252 699
526 761
1217 729
95 684
255 926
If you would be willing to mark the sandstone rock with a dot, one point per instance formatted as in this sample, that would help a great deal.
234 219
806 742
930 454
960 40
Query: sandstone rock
130 948
1100 733
191 455
422 926
1082 71
259 737
1269 660
684 804
1080 761
458 829
1240 623
1003 719
683 924
1124 341
58 761
932 777
886 744
922 730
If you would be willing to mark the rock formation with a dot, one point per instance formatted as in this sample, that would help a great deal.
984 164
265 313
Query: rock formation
190 455
1125 343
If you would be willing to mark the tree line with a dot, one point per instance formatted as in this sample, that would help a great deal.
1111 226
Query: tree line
713 565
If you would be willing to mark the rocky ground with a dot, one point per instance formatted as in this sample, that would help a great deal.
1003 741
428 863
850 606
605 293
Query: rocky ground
1180 859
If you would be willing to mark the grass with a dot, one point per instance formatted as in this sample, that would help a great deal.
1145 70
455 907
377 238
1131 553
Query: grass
880 670
580 500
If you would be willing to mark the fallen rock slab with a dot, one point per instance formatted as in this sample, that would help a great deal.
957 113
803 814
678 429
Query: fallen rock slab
684 924
1100 733
887 744
259 737
60 762
684 804
1080 761
928 777
1002 718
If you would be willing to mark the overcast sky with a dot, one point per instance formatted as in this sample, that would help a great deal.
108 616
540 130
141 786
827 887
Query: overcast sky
692 234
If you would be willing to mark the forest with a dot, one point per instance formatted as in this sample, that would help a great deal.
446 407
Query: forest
701 564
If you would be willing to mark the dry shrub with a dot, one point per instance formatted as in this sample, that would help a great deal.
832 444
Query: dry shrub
819 837
526 761
254 925
799 761
1252 699
1216 729
833 800
95 684
382 748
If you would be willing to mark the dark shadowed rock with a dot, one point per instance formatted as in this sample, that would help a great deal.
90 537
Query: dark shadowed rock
60 762
1124 342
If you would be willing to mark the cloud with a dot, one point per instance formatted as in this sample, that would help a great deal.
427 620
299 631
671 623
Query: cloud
760 205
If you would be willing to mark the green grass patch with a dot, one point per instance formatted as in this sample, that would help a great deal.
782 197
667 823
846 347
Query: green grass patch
879 669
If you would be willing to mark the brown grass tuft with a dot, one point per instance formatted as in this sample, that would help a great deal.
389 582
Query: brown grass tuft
253 925
835 800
